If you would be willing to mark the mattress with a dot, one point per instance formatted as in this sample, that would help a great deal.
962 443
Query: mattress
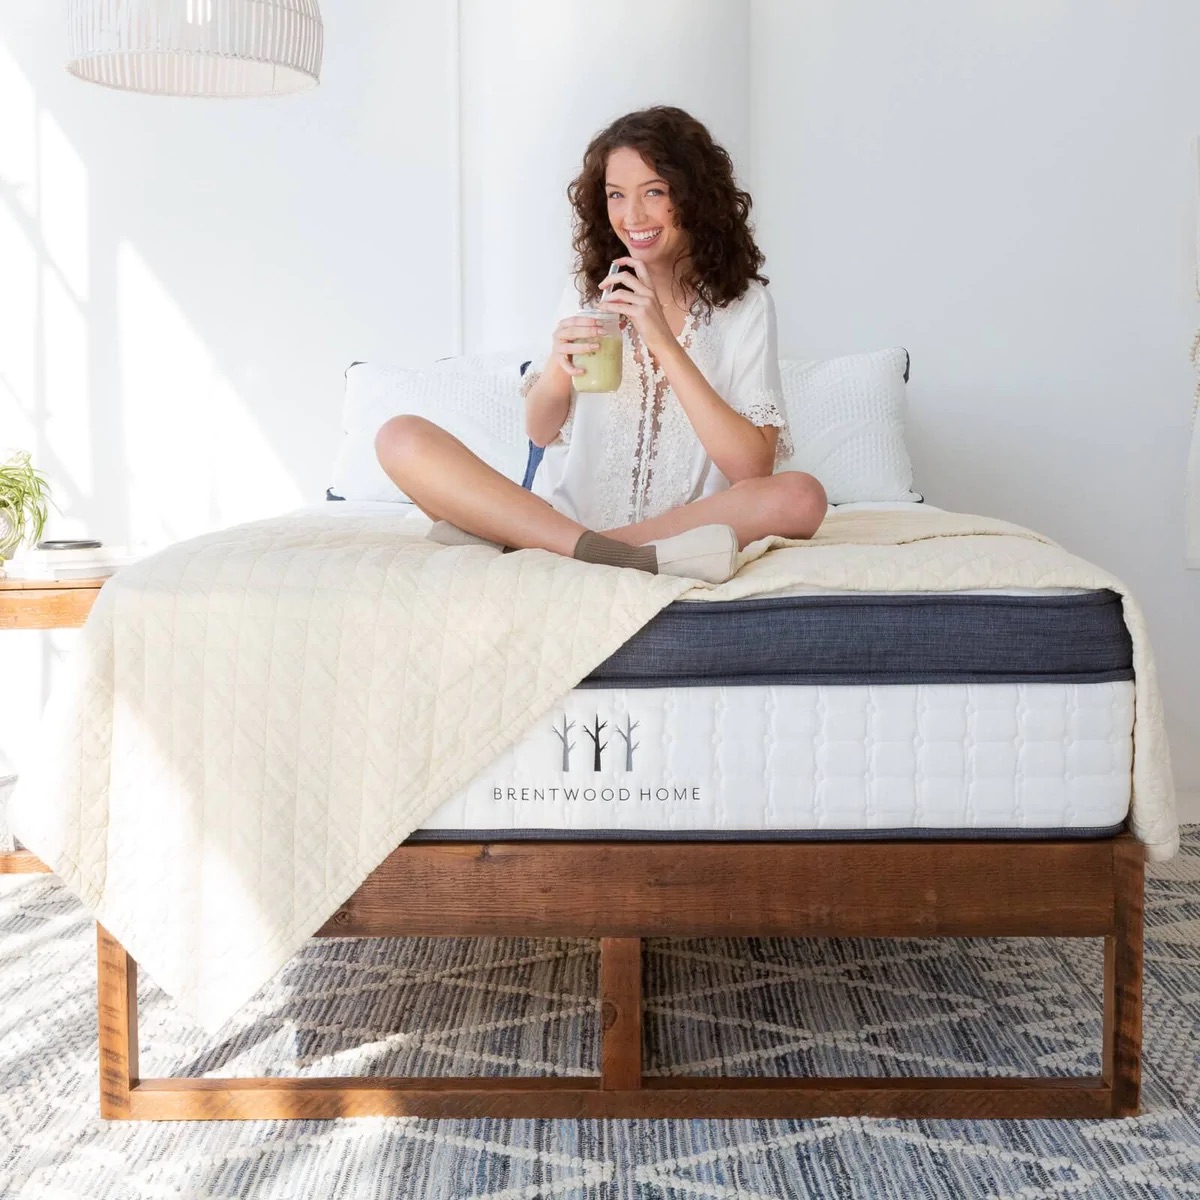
881 638
829 714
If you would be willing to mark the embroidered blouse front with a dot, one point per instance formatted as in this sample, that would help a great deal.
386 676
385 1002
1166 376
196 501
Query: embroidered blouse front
628 455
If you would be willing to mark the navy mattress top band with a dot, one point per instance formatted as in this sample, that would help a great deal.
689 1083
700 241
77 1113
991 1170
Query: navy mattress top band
877 639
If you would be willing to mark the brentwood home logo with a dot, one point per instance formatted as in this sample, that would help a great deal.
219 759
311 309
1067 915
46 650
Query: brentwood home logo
598 747
592 759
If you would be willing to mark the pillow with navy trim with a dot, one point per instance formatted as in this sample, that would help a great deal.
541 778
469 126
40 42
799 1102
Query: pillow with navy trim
847 420
535 451
846 415
477 400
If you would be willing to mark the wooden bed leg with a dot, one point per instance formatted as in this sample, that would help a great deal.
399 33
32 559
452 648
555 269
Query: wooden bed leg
620 1014
117 992
1122 1054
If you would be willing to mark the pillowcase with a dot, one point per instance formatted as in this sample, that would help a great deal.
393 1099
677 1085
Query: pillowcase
479 405
846 417
493 362
847 421
535 451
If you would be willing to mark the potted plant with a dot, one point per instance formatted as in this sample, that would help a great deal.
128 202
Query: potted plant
24 497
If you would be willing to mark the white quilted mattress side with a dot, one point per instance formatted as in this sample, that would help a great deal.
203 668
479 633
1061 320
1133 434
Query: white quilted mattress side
788 758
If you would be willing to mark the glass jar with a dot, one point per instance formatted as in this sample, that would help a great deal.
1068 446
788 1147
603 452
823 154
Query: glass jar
602 368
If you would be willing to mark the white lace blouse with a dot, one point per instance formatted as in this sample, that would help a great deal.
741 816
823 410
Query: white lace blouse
628 455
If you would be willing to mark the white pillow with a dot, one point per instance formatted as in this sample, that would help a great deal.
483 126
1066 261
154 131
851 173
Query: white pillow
847 421
479 406
493 362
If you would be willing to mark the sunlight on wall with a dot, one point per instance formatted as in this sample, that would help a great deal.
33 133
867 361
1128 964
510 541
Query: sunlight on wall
29 656
44 383
196 458
18 258
18 332
18 128
65 445
63 205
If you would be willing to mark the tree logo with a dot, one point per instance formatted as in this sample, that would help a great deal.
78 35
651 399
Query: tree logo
630 744
567 746
593 732
597 748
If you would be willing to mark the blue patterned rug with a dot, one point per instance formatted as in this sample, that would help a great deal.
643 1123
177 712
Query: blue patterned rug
449 1006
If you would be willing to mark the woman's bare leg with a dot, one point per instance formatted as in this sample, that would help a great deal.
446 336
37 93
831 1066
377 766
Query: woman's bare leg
450 483
790 503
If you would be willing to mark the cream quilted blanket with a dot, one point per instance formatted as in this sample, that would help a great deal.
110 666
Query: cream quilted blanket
254 719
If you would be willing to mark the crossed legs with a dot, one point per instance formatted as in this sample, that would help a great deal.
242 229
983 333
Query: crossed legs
450 483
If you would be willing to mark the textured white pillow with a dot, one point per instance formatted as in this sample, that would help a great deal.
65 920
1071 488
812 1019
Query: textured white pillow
481 407
493 362
847 421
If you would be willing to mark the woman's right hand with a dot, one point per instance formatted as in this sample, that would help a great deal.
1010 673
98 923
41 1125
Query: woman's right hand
574 335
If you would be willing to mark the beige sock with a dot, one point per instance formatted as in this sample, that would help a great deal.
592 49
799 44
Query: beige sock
596 548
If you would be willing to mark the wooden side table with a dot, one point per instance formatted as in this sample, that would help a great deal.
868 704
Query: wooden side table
37 604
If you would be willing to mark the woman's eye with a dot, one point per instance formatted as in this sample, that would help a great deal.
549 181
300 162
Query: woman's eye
655 192
614 195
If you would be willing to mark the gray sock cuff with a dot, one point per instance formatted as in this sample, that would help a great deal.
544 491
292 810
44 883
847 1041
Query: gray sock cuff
596 548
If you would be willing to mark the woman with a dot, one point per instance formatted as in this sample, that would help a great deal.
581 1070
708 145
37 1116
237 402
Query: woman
674 471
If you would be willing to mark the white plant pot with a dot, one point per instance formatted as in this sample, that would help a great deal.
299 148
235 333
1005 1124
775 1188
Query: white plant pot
7 549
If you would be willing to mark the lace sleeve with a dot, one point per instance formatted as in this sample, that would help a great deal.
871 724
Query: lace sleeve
757 392
765 407
531 377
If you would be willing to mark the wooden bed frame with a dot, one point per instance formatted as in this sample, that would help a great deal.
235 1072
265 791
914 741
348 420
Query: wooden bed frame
621 892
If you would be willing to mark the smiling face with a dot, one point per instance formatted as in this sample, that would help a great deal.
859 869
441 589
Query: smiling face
640 209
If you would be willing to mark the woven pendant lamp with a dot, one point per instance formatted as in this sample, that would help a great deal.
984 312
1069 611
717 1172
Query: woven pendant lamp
196 47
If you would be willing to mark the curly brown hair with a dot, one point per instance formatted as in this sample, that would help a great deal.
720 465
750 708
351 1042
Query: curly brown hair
709 205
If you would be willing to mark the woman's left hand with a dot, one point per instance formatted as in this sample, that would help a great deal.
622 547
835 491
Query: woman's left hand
639 305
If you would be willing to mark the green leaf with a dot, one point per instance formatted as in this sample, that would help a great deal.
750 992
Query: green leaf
24 502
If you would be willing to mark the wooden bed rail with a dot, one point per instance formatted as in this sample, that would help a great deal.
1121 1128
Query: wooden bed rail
622 892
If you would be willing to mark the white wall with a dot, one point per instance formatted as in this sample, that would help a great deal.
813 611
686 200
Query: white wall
1006 190
1003 188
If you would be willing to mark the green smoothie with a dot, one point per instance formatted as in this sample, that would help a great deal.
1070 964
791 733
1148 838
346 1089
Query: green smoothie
602 368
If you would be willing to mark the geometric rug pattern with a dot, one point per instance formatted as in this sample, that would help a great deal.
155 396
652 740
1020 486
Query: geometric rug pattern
512 1005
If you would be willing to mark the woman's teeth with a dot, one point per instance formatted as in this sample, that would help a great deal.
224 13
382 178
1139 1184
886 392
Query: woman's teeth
644 238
